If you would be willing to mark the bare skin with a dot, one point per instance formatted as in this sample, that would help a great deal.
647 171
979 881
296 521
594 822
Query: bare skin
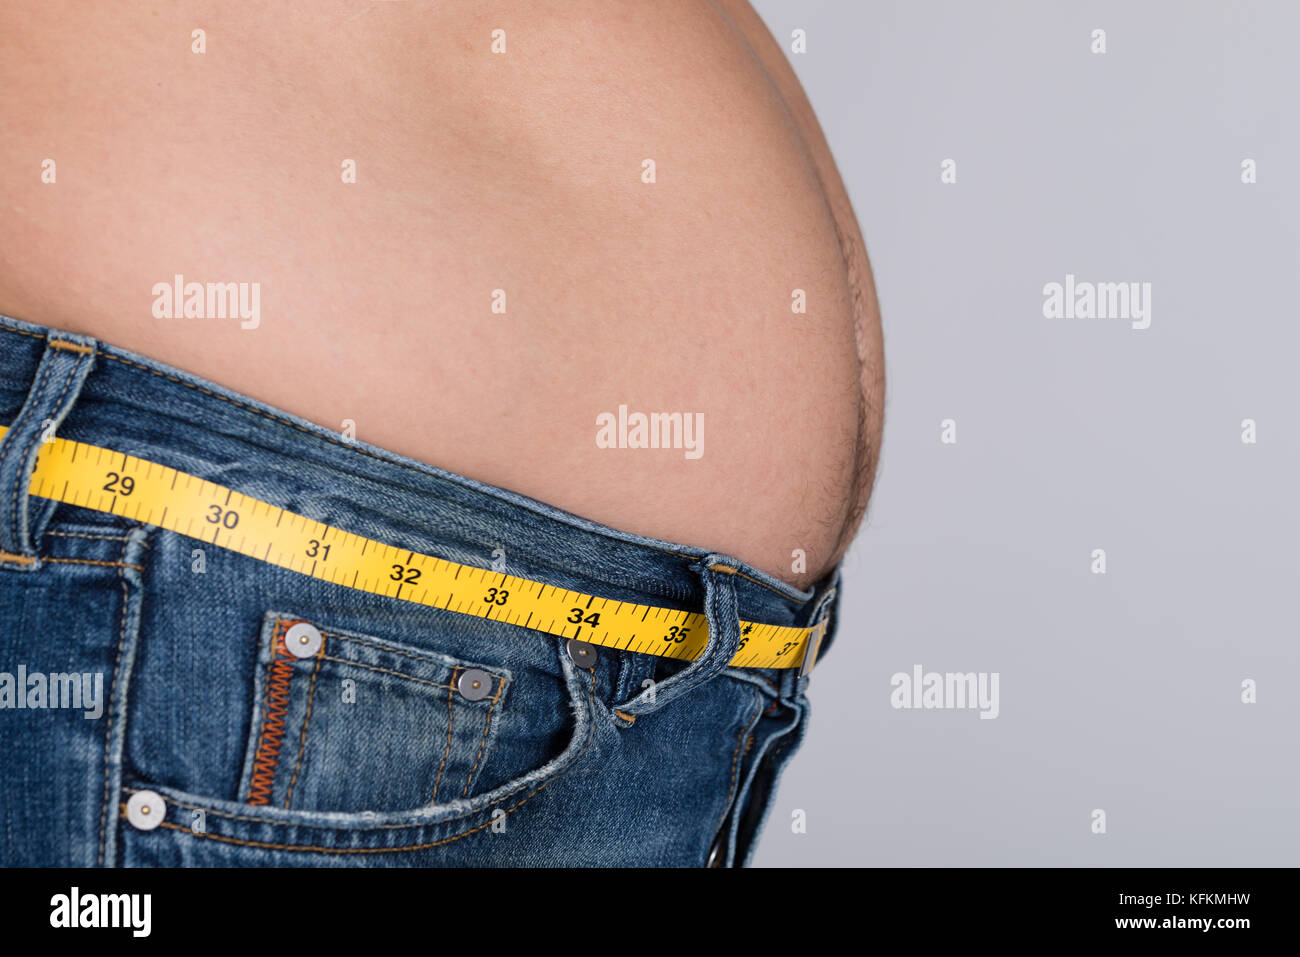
475 171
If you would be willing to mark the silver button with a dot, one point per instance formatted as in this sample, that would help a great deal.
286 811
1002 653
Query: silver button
303 640
474 684
582 654
145 810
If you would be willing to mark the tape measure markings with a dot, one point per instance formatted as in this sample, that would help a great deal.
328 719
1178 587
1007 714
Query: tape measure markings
76 473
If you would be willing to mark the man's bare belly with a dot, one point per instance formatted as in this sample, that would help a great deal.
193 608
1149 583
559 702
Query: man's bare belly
498 276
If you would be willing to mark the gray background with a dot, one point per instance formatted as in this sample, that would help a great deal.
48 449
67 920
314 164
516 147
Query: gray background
1118 691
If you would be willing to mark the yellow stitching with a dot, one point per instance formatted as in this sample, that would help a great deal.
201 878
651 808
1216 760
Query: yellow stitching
58 404
387 671
731 790
115 538
393 651
797 601
306 721
447 751
487 725
91 561
346 850
108 734
38 387
106 538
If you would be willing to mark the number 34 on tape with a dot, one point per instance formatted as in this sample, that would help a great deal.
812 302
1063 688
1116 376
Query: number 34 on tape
105 480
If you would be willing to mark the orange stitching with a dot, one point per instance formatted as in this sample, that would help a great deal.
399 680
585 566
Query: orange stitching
438 779
306 722
591 734
70 346
273 723
731 790
20 559
487 726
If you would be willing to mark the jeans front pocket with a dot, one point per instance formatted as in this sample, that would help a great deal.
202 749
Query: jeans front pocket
346 722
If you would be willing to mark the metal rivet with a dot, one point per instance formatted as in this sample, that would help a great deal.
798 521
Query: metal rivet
582 654
303 640
474 684
145 810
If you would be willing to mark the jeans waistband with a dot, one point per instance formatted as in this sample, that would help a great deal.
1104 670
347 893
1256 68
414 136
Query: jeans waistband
134 404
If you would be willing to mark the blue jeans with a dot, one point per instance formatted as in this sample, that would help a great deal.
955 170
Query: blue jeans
203 746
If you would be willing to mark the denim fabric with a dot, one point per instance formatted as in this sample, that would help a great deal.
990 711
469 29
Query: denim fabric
382 760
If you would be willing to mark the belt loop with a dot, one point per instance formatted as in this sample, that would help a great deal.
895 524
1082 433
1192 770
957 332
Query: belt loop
723 616
823 620
67 360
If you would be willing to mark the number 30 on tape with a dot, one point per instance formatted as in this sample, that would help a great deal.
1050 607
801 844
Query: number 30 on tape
104 480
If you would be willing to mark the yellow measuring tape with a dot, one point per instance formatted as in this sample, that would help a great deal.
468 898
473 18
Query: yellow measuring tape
104 480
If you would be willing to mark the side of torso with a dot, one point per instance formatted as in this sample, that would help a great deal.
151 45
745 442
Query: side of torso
488 261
